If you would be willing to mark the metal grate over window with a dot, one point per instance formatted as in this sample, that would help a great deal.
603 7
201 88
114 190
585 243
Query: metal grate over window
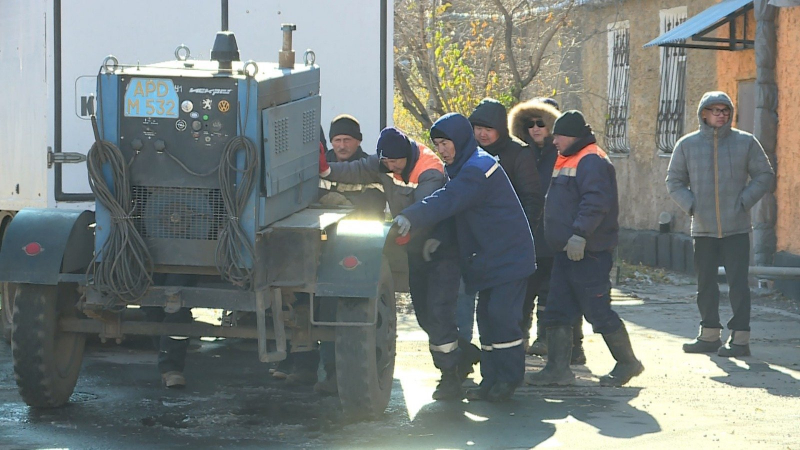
178 213
672 100
616 132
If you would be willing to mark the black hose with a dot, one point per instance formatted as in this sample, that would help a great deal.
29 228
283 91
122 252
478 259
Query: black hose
122 268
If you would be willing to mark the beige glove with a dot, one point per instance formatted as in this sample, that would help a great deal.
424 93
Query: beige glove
575 248
334 199
429 247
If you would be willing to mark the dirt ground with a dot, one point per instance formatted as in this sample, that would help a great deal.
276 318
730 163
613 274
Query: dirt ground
680 401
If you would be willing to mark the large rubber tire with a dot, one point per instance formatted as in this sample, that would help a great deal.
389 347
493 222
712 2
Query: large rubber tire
365 354
46 361
7 292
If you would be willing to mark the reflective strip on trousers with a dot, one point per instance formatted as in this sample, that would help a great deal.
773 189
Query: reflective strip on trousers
486 348
179 338
503 345
445 348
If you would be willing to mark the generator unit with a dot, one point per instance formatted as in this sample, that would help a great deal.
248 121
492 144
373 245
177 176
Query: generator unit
209 170
195 134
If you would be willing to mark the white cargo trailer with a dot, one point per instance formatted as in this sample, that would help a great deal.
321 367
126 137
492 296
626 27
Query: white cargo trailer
51 51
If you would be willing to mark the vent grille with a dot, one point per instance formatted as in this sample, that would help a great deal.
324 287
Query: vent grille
281 134
178 213
309 126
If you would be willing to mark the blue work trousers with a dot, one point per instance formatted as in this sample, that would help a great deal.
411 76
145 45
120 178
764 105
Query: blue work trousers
582 288
499 316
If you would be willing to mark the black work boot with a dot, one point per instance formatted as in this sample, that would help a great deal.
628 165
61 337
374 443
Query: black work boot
738 345
478 393
578 355
449 387
708 341
501 392
470 355
627 365
559 350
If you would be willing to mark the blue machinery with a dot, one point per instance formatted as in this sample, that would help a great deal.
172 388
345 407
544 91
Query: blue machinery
208 169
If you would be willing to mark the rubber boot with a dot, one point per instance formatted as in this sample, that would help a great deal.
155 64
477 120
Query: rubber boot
173 379
707 341
328 386
501 392
478 393
627 365
539 345
449 387
559 351
738 345
578 355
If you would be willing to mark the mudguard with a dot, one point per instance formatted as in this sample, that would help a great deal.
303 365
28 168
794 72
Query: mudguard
39 244
350 264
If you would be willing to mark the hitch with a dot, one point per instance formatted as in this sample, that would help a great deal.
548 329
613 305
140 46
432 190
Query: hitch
63 158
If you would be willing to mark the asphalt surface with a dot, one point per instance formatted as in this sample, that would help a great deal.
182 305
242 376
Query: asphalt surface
681 401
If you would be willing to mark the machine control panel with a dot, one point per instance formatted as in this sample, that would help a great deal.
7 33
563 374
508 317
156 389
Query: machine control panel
164 119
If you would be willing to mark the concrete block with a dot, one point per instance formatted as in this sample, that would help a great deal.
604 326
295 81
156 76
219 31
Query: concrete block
678 252
647 243
689 254
789 288
664 250
627 248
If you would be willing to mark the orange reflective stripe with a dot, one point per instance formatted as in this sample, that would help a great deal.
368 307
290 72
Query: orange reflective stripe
427 160
568 165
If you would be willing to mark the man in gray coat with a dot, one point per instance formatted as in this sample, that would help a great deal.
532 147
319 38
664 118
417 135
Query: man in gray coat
716 175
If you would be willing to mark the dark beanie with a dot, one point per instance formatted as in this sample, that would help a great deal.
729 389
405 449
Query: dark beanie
490 113
393 144
550 101
436 132
571 123
345 124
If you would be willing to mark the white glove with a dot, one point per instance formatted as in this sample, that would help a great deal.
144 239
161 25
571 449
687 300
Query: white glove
403 224
575 247
430 246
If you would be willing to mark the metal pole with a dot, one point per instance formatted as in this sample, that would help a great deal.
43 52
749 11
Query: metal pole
224 15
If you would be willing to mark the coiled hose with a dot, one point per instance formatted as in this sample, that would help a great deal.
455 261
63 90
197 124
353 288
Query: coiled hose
234 249
125 270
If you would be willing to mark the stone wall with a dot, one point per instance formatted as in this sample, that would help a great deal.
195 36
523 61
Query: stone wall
640 174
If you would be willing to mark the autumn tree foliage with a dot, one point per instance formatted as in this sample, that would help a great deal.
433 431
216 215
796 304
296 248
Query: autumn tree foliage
450 55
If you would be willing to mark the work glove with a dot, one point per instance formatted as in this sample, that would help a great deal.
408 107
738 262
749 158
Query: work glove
575 247
403 224
324 167
429 247
334 199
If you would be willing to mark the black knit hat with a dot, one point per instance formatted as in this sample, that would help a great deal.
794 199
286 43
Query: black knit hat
571 123
393 144
438 133
345 124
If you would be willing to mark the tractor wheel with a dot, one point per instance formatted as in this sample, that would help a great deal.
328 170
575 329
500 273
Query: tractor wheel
7 291
365 354
47 361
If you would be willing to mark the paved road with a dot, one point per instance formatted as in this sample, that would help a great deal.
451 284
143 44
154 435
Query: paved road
681 401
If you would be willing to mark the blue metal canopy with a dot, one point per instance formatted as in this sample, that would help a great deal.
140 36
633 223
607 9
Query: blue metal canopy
696 28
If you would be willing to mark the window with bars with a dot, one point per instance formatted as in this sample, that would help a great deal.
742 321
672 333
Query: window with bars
619 68
672 99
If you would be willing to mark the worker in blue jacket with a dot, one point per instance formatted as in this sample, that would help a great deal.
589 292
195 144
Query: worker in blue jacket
495 248
580 223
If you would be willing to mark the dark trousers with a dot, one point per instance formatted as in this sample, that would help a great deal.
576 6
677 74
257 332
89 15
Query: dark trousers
499 315
582 288
172 349
434 293
734 254
536 296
